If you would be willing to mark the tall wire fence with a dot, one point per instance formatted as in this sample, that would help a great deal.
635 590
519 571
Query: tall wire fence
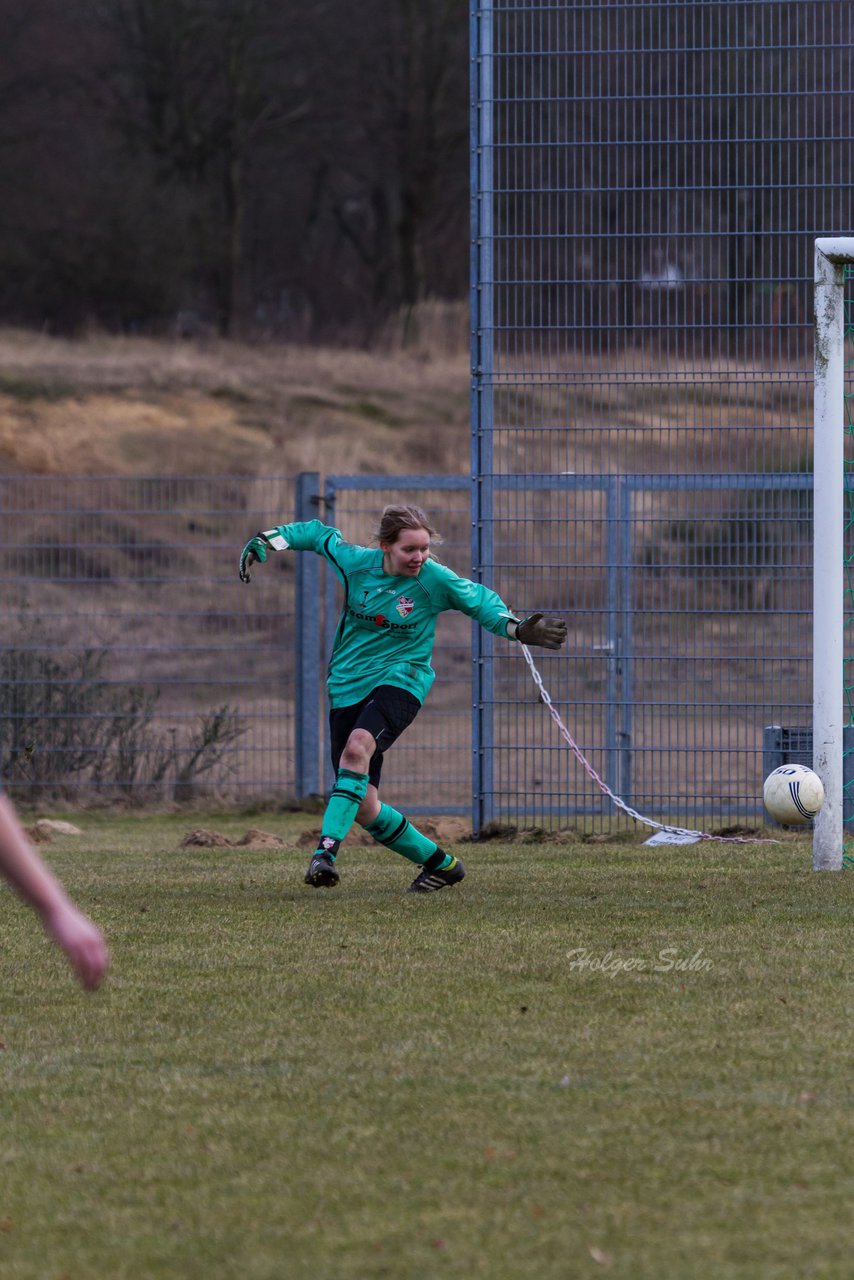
649 179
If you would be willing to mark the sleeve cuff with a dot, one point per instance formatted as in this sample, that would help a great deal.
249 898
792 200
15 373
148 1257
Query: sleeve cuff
275 539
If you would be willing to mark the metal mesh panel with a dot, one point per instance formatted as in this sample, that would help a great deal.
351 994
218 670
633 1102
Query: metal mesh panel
649 180
134 662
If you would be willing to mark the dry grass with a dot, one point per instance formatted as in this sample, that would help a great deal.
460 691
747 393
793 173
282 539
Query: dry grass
135 406
132 406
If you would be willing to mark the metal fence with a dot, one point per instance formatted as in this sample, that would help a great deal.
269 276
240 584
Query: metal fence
135 665
134 662
648 180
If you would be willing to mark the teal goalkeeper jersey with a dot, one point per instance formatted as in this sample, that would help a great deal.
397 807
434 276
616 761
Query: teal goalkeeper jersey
387 627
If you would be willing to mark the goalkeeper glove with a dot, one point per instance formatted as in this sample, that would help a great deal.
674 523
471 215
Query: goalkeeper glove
548 633
256 551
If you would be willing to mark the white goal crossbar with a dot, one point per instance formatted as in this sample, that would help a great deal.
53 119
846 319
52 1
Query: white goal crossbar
832 255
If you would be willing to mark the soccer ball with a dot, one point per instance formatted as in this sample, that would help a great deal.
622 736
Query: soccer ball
793 794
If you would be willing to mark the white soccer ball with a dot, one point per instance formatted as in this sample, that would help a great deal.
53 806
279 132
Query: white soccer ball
793 794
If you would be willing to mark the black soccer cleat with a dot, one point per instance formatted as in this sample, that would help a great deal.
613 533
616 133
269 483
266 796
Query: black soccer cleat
321 872
429 881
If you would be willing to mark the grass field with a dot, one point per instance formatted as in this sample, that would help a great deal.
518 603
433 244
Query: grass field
587 1060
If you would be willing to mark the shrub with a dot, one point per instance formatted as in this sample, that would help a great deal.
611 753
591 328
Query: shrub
66 729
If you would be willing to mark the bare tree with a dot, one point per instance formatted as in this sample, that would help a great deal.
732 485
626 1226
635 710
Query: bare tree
195 84
402 90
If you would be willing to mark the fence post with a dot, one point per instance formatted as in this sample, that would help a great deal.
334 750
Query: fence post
482 401
307 637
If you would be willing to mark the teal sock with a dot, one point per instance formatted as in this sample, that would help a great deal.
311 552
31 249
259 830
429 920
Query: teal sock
347 794
396 832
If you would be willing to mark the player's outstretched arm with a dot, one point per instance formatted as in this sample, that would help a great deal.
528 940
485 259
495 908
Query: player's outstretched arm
69 928
81 940
256 549
547 633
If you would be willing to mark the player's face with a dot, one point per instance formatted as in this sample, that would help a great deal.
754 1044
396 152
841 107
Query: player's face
405 556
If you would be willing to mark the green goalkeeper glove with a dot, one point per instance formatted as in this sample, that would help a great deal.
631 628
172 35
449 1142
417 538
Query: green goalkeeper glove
256 551
548 633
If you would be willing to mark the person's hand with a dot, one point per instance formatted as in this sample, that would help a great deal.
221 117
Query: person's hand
548 633
81 941
254 551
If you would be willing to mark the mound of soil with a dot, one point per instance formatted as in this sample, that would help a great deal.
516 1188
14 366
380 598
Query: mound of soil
202 838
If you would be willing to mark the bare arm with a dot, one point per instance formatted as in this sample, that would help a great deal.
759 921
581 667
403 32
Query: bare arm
69 928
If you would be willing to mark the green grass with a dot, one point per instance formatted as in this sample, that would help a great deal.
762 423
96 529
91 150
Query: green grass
280 1082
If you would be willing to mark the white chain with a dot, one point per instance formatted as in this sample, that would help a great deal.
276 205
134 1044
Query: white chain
603 786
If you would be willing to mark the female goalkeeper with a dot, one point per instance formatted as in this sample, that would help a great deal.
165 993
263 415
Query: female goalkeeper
380 673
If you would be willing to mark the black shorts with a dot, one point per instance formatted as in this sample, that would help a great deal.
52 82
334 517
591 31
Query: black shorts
385 713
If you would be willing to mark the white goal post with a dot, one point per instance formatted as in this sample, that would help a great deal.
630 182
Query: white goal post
832 255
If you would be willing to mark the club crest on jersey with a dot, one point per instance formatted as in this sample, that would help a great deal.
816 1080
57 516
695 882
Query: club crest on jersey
404 606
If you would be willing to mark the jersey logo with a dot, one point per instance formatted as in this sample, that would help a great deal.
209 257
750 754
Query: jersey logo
404 606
